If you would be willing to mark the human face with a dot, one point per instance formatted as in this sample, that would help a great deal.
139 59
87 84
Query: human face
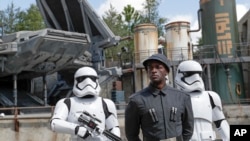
157 73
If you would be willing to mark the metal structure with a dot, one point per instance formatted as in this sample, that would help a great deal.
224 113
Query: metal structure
200 54
244 33
75 36
178 41
146 44
221 54
220 29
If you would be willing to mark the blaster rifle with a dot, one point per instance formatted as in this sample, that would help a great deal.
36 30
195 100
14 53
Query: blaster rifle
91 123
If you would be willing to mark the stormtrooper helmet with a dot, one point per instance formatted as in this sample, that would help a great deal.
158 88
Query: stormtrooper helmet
86 82
188 76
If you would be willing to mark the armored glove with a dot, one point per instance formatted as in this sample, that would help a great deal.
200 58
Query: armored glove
82 132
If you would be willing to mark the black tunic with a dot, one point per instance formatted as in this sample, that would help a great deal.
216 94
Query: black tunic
160 114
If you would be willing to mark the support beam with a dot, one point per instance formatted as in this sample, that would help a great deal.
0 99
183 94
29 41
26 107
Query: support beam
209 77
15 89
45 90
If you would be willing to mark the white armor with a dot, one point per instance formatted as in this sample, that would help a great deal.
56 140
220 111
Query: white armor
86 82
188 77
207 107
68 110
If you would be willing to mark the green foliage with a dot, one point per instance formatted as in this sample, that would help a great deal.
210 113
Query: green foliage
9 18
31 19
131 18
13 19
200 41
122 24
151 15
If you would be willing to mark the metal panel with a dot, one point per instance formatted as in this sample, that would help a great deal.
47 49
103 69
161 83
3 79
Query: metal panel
145 41
77 16
43 51
146 44
178 41
220 29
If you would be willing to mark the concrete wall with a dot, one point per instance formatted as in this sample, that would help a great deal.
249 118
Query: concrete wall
35 127
28 130
237 114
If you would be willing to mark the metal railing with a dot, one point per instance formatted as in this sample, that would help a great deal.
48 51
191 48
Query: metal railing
38 112
198 52
26 112
143 54
212 51
18 113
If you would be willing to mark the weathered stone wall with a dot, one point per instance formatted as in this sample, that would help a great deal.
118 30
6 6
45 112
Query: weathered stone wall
36 127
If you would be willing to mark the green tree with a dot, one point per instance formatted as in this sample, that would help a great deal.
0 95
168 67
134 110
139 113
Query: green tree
114 21
31 19
151 15
200 41
13 19
122 24
131 17
8 18
197 49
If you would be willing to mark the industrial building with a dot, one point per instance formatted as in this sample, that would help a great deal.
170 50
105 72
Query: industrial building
34 75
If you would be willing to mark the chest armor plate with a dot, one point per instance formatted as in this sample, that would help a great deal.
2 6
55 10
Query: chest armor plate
201 106
93 107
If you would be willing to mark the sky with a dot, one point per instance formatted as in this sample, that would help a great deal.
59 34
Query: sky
173 10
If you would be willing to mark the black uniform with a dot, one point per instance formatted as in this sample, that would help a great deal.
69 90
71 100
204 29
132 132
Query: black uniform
160 114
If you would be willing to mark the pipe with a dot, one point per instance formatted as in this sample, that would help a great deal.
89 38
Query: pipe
127 70
17 115
199 22
126 38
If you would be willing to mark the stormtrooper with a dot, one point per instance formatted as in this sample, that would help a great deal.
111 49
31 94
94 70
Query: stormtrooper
67 111
207 106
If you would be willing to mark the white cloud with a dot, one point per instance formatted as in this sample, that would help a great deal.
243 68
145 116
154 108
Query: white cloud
119 5
137 4
194 25
187 18
241 10
195 35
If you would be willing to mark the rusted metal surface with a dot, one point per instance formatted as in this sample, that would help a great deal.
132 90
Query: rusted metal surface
178 41
146 44
145 41
220 28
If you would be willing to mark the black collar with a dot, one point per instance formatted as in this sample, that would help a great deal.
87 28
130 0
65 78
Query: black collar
156 91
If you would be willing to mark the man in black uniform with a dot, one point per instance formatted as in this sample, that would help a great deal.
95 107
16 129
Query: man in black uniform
160 111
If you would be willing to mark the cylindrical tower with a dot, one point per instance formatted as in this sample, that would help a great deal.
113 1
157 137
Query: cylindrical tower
178 41
146 44
220 33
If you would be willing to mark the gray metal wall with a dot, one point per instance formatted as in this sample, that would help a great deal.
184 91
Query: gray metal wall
244 35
